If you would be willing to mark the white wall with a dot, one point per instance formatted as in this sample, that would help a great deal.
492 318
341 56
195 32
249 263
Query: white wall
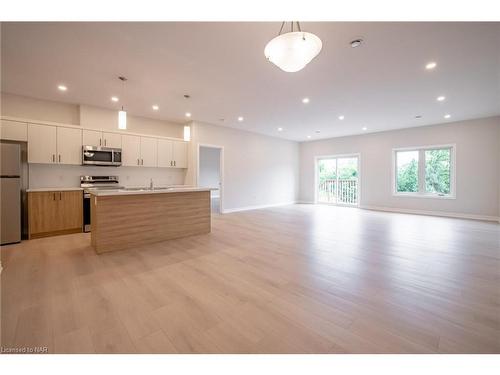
47 175
101 118
209 175
477 166
37 109
258 170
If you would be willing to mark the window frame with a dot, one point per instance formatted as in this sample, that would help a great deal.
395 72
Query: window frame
421 172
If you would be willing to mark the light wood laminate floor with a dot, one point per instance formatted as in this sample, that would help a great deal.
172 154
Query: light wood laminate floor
292 279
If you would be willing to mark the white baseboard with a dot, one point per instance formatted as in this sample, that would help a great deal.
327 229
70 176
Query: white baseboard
248 208
433 213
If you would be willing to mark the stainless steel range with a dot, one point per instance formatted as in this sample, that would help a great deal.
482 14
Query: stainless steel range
89 183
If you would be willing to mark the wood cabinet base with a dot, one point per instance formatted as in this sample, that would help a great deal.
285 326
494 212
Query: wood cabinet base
51 213
125 221
54 233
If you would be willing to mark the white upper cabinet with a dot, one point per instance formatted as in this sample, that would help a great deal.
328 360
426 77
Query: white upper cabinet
62 144
180 154
42 143
104 139
91 137
165 153
14 131
149 154
69 146
113 140
172 154
131 150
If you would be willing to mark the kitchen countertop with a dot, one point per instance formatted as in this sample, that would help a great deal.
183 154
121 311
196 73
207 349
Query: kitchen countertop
113 192
35 190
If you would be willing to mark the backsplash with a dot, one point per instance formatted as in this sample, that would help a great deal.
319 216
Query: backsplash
58 176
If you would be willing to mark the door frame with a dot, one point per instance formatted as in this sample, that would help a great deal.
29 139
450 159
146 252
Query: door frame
316 177
221 171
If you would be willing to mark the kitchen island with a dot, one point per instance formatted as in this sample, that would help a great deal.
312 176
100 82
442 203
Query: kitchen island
124 218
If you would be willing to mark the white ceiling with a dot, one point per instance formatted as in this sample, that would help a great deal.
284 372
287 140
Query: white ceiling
381 85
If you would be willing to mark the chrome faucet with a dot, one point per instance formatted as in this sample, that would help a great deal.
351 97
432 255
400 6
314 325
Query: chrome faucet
151 186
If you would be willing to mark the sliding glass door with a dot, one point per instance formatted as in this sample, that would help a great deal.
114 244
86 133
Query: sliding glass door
337 179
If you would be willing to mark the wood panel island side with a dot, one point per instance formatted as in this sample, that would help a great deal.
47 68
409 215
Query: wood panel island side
124 219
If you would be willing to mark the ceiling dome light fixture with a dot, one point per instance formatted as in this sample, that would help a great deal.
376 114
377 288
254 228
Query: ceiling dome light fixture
293 50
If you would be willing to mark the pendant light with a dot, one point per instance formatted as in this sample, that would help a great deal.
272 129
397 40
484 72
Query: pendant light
293 50
122 115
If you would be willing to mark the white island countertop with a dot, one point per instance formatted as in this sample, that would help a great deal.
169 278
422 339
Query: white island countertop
159 190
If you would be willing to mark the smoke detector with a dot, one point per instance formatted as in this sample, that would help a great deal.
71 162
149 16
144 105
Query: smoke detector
356 42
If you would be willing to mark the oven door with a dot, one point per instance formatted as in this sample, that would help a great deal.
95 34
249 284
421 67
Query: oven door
86 212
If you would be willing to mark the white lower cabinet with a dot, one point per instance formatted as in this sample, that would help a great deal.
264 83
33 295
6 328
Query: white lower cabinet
131 150
42 144
69 146
149 155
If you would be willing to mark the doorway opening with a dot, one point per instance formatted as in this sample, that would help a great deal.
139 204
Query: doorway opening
337 180
210 174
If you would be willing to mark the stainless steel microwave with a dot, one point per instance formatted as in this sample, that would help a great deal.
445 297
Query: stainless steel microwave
105 156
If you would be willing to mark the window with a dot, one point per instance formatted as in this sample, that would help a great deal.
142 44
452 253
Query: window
425 171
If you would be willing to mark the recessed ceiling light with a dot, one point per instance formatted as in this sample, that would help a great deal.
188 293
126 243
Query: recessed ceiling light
308 136
318 131
418 117
356 42
430 65
364 128
280 129
155 107
188 114
305 100
114 99
240 119
441 98
341 117
62 88
447 116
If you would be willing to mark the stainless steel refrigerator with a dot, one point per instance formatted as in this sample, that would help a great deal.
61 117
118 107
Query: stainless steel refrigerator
10 191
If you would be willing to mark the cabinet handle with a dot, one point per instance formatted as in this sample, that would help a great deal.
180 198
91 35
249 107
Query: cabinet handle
54 196
59 158
142 161
175 163
60 196
105 142
100 142
137 161
53 158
